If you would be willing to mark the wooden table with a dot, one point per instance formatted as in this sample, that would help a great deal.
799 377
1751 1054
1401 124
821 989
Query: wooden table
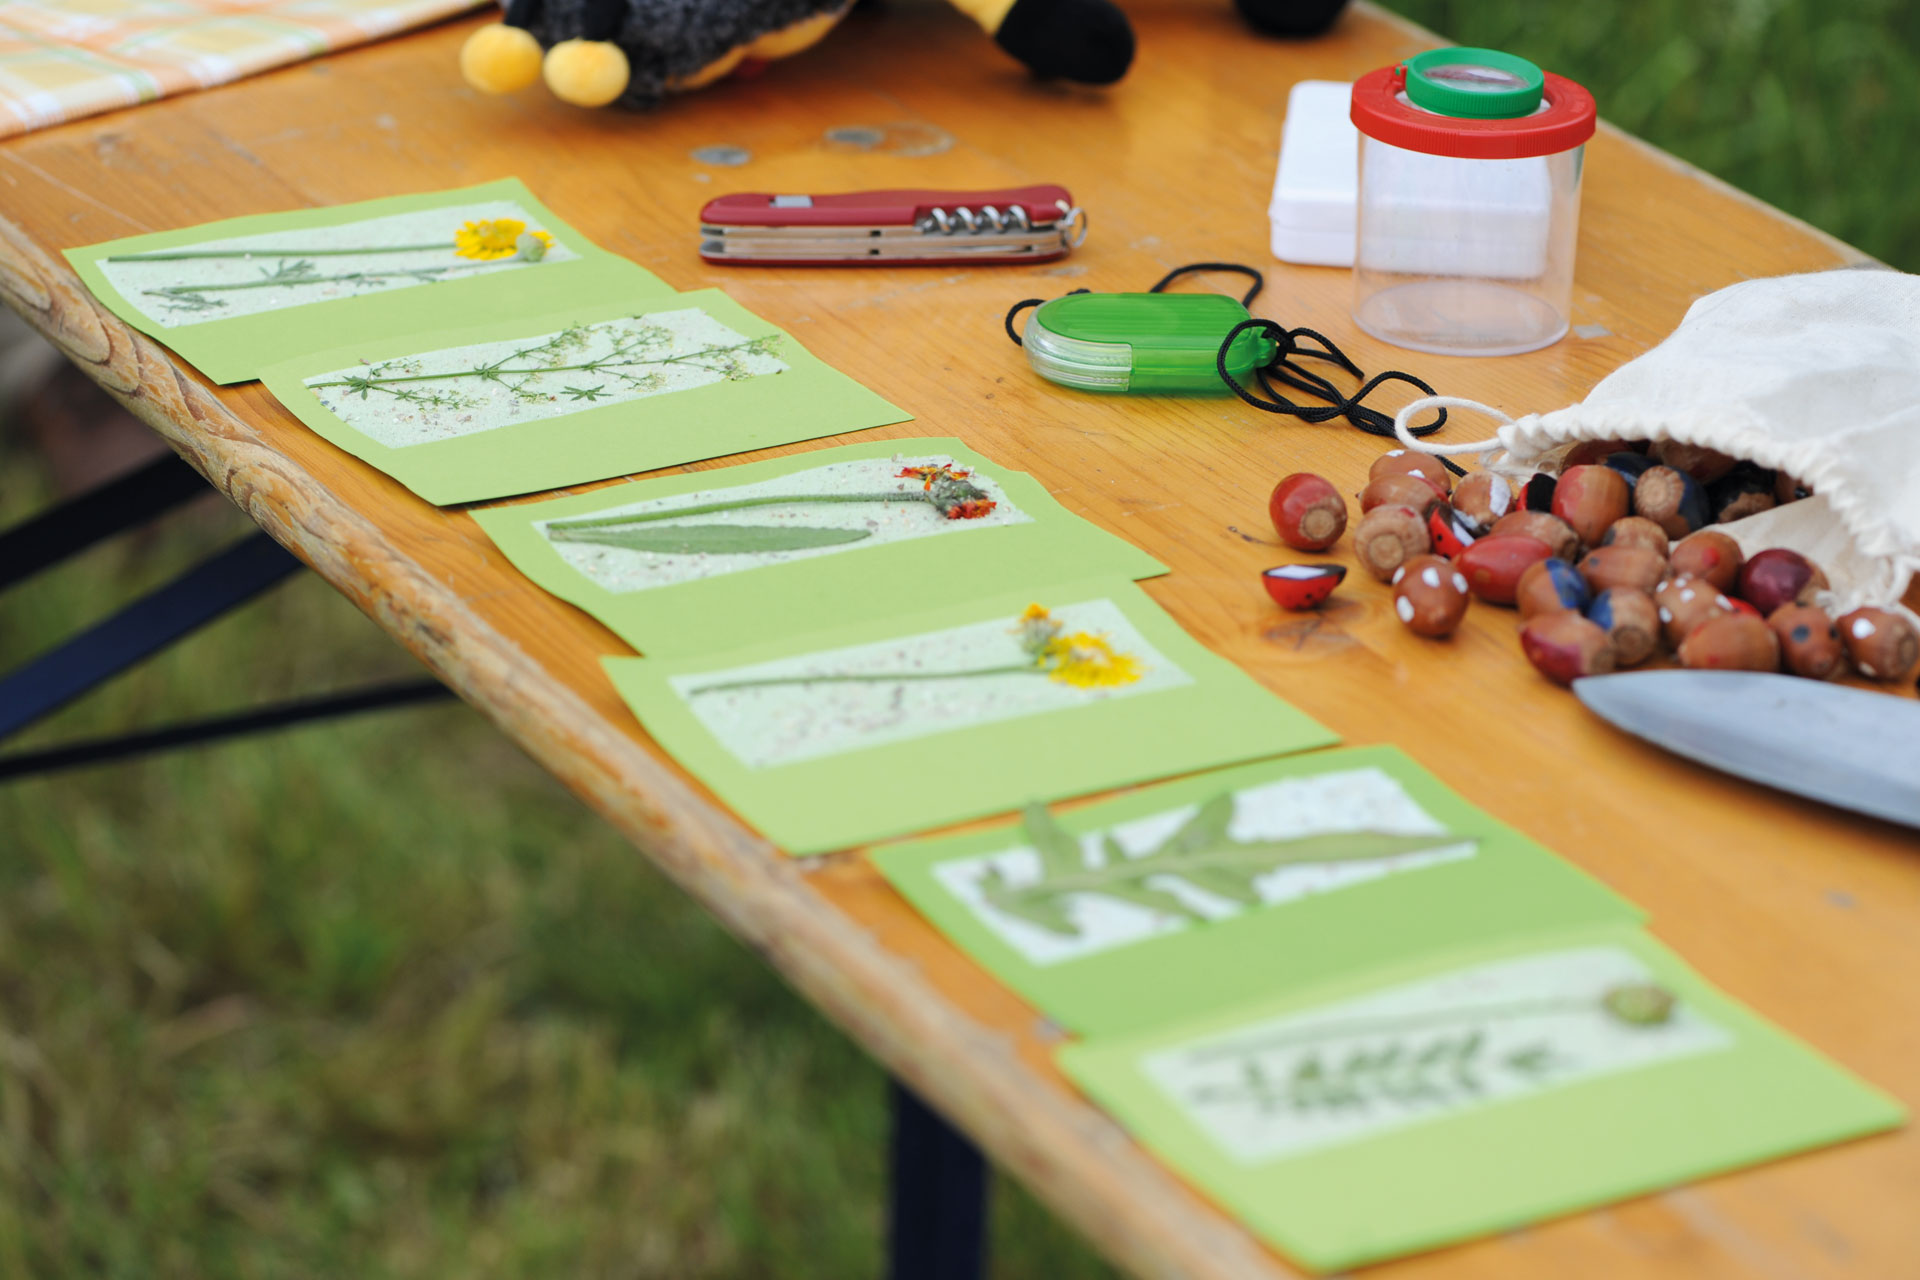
1811 917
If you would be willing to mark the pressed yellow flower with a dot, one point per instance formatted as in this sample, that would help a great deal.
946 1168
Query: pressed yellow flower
489 238
1087 661
1036 629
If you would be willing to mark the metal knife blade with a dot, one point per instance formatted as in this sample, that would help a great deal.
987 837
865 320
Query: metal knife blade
1846 747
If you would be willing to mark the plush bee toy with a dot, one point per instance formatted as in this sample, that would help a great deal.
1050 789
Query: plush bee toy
633 52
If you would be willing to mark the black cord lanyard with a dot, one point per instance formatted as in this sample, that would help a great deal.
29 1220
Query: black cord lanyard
1282 369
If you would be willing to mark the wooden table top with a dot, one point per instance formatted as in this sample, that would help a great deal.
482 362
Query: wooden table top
1811 917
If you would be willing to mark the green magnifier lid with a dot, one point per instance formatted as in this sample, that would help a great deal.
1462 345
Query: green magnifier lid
1478 84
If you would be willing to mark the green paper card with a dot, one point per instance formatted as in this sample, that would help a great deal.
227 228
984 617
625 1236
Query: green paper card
1217 890
697 584
594 391
312 279
1460 1096
884 728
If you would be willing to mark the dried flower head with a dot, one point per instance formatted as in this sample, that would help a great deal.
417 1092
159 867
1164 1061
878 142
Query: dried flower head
1037 629
1643 1004
957 500
488 239
971 510
932 472
1088 661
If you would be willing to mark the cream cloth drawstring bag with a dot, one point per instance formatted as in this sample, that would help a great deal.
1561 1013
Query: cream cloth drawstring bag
1815 375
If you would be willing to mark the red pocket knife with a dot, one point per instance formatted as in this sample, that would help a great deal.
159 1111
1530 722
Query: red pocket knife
892 228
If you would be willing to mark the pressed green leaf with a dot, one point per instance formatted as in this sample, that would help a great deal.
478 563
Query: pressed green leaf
1206 830
713 539
1058 848
1045 910
1232 883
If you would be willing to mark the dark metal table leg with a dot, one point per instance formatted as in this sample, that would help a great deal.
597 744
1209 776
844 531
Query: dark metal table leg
936 1223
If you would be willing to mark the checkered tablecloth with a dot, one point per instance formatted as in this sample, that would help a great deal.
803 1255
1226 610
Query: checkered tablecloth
64 59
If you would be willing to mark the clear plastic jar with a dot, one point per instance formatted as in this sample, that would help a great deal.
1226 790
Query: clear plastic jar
1467 223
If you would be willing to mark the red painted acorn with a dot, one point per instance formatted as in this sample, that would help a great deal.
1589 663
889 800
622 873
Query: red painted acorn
1493 565
1565 646
1302 586
1591 498
1778 576
1450 531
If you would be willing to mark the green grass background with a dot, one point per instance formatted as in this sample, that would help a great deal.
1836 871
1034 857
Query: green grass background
379 1000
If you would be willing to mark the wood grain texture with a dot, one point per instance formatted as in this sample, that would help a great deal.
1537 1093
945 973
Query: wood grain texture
1808 915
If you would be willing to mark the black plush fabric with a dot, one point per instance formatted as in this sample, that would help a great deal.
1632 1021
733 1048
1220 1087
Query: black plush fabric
1290 17
667 39
1086 41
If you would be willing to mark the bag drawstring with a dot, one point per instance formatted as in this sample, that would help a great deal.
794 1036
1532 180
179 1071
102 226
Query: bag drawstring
1406 433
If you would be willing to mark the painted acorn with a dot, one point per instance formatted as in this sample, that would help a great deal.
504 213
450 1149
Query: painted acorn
1685 603
1405 462
1548 586
1302 586
1429 595
1307 511
1451 534
1631 620
1710 556
1483 497
1398 489
1631 466
1387 537
1590 499
1494 564
1747 490
1810 643
1881 643
1536 492
1671 499
1731 642
1637 531
1787 488
1703 464
1636 567
1588 452
1779 576
1543 527
1565 646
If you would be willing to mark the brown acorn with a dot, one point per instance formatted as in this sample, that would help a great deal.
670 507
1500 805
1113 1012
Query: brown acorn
1731 642
1810 643
1881 643
1565 646
1635 567
1787 489
1637 531
1671 499
1406 462
1685 603
1542 526
1745 491
1588 452
1709 555
1397 489
1387 536
1703 464
1307 511
1429 595
1493 565
1483 497
1779 576
1590 499
1631 621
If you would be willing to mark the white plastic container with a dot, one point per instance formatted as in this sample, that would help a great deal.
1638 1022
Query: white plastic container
1469 202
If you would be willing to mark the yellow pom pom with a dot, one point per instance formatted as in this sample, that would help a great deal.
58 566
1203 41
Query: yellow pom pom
499 59
587 73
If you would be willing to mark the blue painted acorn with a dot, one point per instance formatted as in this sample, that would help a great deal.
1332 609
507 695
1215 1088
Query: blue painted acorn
1631 466
1673 500
1631 620
1550 586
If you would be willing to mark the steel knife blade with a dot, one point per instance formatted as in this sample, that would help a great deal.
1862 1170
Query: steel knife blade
1846 747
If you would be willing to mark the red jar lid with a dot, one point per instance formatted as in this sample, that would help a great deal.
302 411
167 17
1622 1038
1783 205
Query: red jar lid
1379 112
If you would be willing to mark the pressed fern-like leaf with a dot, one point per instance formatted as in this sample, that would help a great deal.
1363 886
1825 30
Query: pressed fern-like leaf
713 539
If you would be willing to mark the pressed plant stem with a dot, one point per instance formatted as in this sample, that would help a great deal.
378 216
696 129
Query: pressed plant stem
560 528
493 372
176 289
902 677
1255 855
187 255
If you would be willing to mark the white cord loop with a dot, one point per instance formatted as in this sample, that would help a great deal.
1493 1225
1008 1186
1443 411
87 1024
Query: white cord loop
1402 427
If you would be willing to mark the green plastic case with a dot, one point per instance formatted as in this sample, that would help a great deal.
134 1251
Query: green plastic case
1143 343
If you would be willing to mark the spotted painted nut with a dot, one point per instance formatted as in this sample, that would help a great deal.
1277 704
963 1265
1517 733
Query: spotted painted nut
1543 526
1810 643
1631 620
1398 489
1881 643
1709 555
1731 642
1407 463
1637 531
1685 603
1429 595
1387 537
1634 567
1590 499
1308 512
1451 533
1671 499
1565 646
1548 586
1302 586
1779 576
1483 497
1493 565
